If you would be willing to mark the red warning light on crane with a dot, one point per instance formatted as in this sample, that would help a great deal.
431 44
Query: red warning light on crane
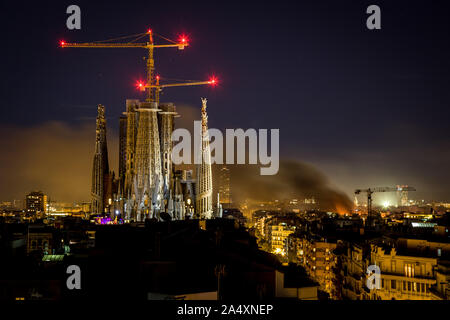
213 81
140 85
183 39
62 43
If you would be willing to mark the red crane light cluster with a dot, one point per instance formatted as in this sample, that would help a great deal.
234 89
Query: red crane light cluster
142 85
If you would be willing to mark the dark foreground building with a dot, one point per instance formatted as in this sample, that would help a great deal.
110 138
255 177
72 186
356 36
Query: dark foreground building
194 259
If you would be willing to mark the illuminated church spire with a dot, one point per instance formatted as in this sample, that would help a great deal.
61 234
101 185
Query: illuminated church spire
204 176
100 167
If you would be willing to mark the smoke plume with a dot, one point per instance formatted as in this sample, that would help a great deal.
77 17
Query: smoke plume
294 180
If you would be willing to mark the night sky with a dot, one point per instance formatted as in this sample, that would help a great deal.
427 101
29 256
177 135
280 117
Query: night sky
368 108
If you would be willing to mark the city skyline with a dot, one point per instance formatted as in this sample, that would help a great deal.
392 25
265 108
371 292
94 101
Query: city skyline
374 115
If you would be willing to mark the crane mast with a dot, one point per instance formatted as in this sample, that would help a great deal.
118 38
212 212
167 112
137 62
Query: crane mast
370 191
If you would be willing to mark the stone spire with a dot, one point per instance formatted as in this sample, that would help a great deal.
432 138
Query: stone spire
204 175
100 167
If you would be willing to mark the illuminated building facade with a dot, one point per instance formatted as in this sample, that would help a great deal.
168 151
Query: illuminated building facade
410 269
315 255
36 202
352 267
403 277
277 235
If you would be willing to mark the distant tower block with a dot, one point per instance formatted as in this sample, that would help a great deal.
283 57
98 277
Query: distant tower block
403 193
204 176
148 176
224 185
100 167
166 125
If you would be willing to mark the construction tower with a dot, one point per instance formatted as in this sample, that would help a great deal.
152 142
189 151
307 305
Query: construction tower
166 124
204 176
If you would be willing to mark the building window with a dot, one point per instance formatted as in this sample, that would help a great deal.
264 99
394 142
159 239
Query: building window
423 287
393 266
409 270
404 285
409 286
393 284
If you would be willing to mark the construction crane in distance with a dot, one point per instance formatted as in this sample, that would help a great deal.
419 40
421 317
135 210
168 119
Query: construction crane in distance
152 85
370 191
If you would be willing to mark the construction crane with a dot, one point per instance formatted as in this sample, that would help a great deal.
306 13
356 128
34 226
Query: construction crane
152 85
370 191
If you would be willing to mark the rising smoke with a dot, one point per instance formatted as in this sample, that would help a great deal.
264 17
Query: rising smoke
294 180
